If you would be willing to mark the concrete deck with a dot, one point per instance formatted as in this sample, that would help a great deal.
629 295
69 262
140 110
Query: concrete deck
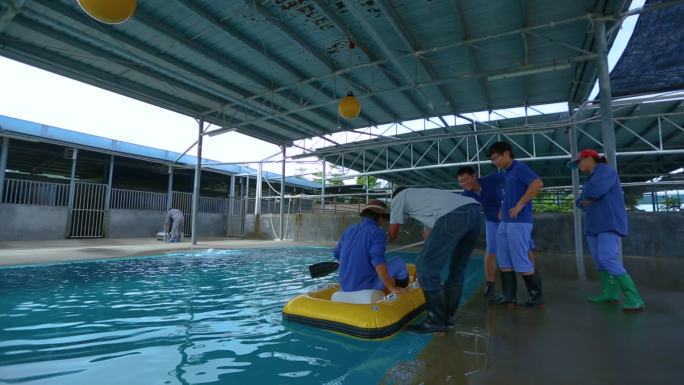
570 342
65 250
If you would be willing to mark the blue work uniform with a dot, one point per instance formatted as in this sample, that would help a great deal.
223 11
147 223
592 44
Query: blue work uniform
606 218
490 197
360 250
514 235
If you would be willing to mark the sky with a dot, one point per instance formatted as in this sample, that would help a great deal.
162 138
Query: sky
32 94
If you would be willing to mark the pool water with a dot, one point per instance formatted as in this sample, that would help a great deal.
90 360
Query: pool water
210 317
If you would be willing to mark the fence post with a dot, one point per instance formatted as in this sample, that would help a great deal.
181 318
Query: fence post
169 190
198 180
108 196
72 192
3 166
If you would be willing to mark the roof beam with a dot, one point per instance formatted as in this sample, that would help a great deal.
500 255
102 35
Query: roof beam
209 80
460 21
545 67
9 11
429 109
36 26
426 52
198 10
410 43
295 38
342 27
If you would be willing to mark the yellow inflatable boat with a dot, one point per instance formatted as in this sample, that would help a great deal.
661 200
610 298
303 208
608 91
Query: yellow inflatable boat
375 320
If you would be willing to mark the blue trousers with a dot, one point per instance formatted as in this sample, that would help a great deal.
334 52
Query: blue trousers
513 244
604 248
451 240
396 268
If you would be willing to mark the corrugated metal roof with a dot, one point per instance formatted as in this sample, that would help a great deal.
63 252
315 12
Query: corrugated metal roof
35 131
276 69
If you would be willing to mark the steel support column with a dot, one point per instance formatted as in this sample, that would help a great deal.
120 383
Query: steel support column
198 180
282 197
577 214
323 188
607 127
169 190
3 165
259 182
231 196
72 192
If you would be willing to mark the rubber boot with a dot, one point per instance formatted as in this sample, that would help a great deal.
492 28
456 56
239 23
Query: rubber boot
488 292
436 311
534 288
633 301
609 290
509 290
452 296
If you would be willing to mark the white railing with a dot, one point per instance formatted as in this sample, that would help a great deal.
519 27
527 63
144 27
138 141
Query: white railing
137 200
27 192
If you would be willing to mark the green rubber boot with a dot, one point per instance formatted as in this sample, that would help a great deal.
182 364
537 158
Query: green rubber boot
609 290
633 301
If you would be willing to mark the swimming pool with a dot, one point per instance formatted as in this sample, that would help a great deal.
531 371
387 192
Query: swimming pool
209 317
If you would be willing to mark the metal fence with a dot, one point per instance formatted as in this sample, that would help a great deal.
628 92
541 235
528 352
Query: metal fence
87 214
27 192
137 200
213 205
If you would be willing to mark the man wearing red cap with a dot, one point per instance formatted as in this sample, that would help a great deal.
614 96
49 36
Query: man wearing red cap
606 221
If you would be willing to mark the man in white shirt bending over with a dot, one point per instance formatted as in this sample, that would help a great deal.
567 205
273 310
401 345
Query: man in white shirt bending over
455 223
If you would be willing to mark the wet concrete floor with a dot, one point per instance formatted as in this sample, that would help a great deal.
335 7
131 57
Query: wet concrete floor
569 342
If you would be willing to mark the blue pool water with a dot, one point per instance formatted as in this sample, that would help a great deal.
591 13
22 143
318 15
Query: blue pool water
210 317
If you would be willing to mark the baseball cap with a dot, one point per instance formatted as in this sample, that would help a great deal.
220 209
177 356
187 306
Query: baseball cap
588 153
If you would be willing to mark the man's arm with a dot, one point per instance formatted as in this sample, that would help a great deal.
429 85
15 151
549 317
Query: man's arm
599 184
393 231
381 269
532 191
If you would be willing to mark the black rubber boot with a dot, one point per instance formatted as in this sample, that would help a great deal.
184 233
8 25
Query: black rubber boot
436 310
452 296
534 288
509 290
489 291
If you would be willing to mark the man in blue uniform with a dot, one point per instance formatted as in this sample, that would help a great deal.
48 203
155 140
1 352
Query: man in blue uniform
488 191
606 223
521 185
361 252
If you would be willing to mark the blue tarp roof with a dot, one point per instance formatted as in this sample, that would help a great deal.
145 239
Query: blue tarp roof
42 132
654 58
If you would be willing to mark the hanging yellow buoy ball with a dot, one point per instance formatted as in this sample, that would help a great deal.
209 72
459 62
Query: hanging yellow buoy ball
350 107
109 11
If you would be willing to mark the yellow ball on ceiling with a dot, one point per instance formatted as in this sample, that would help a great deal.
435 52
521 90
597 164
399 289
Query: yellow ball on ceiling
350 107
109 11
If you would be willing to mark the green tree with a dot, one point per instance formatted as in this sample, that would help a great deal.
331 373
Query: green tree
331 176
372 181
553 202
671 204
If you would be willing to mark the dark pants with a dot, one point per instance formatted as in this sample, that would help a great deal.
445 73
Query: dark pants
452 240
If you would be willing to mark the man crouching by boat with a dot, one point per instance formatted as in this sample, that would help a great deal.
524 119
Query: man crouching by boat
454 221
361 252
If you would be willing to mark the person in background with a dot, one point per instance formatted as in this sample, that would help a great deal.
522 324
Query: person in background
454 222
606 221
174 225
514 234
361 252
